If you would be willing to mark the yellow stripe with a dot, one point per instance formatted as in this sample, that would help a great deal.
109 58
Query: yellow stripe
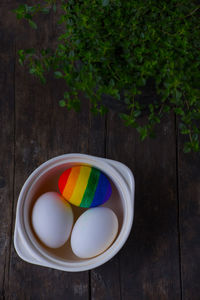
80 186
71 183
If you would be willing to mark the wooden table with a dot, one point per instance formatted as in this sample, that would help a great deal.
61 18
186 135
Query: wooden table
161 259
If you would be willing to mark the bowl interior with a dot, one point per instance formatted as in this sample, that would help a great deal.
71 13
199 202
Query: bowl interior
48 181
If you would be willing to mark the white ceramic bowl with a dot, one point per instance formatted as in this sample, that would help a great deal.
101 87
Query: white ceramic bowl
45 179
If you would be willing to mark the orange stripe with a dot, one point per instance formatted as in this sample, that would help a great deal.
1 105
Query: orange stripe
71 182
81 185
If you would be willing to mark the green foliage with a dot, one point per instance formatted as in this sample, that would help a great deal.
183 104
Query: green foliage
108 47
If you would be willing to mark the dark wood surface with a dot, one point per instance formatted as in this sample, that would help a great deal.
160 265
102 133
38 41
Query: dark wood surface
161 259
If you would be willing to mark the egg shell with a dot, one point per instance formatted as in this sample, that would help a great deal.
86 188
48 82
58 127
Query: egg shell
85 186
94 232
52 219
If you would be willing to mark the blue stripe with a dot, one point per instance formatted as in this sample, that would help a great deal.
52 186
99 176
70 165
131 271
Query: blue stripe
101 191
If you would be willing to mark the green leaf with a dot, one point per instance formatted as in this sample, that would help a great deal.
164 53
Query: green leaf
71 53
21 52
137 113
103 110
75 104
166 108
124 117
54 7
108 47
195 137
32 70
195 146
30 51
178 94
62 103
58 74
32 24
111 83
151 108
127 100
183 128
143 131
94 109
42 79
21 56
187 147
105 2
21 61
179 111
45 10
66 95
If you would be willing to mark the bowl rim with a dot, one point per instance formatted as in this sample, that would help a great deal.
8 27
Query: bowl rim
122 188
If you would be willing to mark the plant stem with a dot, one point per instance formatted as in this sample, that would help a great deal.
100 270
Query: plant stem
133 105
192 12
114 75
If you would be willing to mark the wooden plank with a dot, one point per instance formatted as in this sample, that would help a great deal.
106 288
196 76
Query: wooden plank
149 262
104 280
40 135
43 130
74 137
189 203
7 147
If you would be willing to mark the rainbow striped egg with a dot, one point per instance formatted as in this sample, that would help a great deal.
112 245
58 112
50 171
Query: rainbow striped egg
84 186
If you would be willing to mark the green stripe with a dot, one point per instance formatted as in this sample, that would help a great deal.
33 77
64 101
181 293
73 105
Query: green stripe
90 188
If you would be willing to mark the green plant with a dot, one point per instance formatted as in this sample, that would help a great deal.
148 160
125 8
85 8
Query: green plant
115 46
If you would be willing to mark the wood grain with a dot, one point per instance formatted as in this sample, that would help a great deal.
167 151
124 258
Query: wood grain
7 147
149 262
189 218
104 280
34 128
43 130
40 135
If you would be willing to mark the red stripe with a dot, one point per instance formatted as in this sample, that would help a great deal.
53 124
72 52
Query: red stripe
63 180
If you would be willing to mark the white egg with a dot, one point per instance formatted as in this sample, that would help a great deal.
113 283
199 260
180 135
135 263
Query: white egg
52 219
94 232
